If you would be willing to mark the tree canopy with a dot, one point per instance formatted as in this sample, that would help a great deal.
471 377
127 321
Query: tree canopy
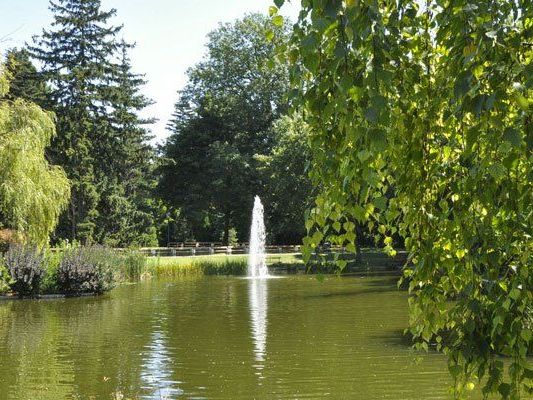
420 125
33 193
222 122
101 140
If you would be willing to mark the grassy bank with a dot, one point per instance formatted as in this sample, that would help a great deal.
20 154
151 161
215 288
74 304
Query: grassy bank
97 269
222 264
216 264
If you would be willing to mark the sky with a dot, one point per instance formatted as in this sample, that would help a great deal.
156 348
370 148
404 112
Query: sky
170 36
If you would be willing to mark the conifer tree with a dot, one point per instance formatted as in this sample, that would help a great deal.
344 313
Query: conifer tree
100 138
25 82
128 210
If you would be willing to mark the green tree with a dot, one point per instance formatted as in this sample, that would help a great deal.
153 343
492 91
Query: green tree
101 141
25 82
127 207
32 192
420 120
288 189
223 119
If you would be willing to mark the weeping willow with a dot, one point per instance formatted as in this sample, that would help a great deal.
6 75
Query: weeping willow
33 193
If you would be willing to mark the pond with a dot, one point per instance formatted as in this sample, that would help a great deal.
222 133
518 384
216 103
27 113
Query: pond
219 338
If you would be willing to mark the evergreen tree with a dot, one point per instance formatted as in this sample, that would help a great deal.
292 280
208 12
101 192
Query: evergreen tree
24 80
127 206
100 139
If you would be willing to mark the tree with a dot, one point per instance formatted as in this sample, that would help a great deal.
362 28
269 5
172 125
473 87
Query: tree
32 192
101 141
288 190
221 121
127 215
420 125
25 82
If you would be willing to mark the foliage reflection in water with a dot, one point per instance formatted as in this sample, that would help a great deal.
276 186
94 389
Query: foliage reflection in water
213 337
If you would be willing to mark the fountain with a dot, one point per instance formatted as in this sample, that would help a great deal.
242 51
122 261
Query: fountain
257 267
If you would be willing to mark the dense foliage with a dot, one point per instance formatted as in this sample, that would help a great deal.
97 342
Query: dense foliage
222 123
32 192
86 270
287 187
72 271
25 267
25 82
101 141
420 125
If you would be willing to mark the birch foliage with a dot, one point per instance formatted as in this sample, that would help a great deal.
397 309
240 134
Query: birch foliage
421 128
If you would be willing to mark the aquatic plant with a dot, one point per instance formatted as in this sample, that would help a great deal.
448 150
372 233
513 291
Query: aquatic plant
133 264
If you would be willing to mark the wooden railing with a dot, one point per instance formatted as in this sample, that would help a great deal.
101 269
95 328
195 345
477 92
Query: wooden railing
198 248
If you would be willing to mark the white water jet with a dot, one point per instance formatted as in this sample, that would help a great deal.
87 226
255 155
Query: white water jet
257 267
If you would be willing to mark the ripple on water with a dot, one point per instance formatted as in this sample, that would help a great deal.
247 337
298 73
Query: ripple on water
219 338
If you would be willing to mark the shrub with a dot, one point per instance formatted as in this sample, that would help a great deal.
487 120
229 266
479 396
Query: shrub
25 267
49 283
5 279
86 270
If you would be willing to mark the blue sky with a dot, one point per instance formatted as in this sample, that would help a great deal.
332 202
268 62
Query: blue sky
170 37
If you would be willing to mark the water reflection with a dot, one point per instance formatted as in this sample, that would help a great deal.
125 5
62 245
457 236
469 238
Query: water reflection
156 375
258 294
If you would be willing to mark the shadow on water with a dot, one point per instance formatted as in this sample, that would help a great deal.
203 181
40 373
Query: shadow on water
396 337
351 293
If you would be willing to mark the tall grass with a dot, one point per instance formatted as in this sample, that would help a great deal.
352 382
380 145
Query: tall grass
187 266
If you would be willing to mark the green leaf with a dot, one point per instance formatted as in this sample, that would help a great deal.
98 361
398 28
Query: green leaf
522 102
504 389
378 139
512 136
279 3
371 114
277 20
381 202
497 170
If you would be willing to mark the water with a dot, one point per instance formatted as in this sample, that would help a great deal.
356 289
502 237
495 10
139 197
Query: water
257 267
219 338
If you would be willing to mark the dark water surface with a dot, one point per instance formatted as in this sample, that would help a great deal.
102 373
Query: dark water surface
219 338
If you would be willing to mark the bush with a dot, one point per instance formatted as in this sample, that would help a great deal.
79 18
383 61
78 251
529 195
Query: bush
25 267
86 270
49 283
5 279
